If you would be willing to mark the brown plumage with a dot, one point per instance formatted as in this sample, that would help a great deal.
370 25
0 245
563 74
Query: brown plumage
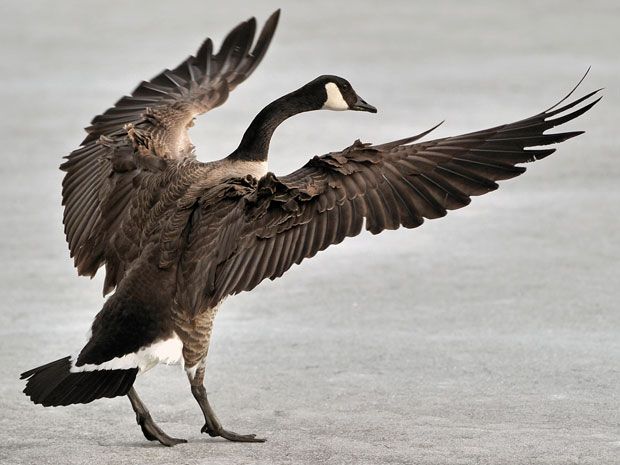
156 117
177 236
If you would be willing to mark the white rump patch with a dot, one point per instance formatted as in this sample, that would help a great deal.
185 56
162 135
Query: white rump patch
335 100
169 352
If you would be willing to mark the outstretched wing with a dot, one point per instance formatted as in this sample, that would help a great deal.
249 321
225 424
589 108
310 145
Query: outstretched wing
290 218
199 84
98 199
103 176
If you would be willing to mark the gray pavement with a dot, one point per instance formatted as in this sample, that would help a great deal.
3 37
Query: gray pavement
491 336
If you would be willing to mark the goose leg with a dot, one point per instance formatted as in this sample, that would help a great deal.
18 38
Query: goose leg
212 426
151 431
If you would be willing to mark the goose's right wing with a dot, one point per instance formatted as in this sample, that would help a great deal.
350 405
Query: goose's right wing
102 176
287 219
199 84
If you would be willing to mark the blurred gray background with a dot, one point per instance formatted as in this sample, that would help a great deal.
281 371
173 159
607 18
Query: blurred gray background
489 336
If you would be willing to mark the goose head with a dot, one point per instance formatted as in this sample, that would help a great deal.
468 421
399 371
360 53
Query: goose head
335 93
323 93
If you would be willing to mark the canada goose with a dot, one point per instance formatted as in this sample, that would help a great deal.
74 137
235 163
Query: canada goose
177 235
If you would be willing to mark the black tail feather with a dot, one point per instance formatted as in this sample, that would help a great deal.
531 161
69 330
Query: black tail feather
54 384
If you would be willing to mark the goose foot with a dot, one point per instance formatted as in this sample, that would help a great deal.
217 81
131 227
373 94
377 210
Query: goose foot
229 435
151 431
212 426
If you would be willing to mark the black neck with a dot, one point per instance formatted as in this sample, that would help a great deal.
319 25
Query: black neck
254 145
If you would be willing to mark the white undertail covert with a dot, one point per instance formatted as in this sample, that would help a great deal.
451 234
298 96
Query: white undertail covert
169 351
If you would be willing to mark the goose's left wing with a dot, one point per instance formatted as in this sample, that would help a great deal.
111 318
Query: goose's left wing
290 218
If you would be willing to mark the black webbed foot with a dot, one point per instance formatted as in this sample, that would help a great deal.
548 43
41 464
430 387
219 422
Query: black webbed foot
212 426
151 431
229 435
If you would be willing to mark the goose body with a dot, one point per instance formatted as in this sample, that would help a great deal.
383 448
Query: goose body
177 236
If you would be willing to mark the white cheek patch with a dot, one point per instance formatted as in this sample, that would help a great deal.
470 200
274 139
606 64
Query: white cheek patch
334 101
169 352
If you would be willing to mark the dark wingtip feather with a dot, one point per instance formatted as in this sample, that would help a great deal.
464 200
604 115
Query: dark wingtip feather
264 40
538 154
560 137
273 19
572 91
231 39
406 140
574 114
570 105
204 53
236 46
